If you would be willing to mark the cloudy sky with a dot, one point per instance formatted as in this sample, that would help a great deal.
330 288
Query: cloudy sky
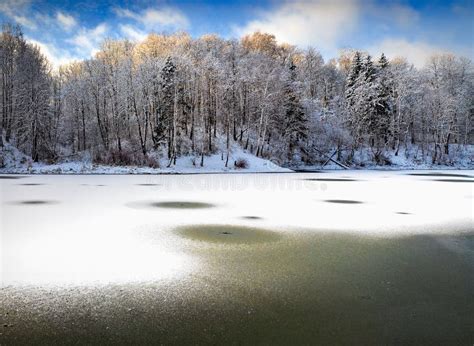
73 29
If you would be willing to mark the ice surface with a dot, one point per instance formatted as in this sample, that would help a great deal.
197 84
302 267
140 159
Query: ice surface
89 229
269 260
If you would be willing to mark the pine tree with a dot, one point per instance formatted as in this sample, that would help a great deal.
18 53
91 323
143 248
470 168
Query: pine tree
163 129
356 68
383 62
367 89
369 70
383 107
360 96
295 122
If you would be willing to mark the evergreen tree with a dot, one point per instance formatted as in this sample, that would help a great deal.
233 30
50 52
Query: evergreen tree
294 122
360 96
367 90
354 72
383 108
369 70
383 62
163 130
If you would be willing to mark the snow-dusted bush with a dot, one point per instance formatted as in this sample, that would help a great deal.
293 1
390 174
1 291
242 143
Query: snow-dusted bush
127 157
241 163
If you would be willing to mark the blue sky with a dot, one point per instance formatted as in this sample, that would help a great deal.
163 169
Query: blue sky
73 29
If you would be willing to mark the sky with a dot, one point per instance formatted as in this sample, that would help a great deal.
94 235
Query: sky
67 30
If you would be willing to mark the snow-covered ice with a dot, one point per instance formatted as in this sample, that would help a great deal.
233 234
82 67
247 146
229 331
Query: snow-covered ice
76 229
179 258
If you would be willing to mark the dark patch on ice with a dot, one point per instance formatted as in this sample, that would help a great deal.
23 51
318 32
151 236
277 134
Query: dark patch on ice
31 184
343 201
234 234
35 202
7 177
433 174
182 205
454 180
331 179
148 184
402 213
252 217
169 205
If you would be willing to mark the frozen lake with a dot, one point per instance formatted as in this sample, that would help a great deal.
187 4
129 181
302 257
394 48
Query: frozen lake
335 257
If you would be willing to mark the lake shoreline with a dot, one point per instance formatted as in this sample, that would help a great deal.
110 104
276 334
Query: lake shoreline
137 172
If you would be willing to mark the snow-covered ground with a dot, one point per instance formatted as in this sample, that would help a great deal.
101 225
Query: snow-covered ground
16 162
462 157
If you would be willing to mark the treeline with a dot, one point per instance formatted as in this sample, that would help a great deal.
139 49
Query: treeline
30 112
173 95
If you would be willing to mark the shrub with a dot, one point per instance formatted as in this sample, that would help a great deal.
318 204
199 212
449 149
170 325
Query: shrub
241 163
126 157
152 162
120 157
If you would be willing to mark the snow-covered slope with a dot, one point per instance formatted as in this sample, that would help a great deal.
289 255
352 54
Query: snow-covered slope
13 161
16 162
461 157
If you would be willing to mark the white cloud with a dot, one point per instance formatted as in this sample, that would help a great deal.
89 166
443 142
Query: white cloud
320 23
11 7
15 9
156 19
132 33
401 15
55 56
22 20
415 52
87 41
65 20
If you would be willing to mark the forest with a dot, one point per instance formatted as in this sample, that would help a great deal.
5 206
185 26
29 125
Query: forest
172 95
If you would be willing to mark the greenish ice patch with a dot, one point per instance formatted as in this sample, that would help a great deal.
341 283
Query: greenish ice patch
309 288
228 234
187 205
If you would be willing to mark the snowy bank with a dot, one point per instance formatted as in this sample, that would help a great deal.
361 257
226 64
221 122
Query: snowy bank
16 162
408 158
